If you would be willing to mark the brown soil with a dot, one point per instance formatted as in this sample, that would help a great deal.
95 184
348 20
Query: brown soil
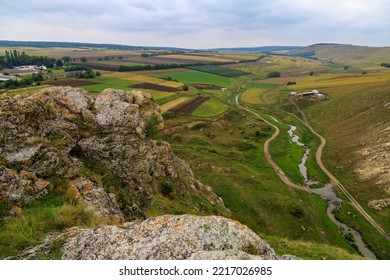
155 87
205 86
98 66
190 106
72 83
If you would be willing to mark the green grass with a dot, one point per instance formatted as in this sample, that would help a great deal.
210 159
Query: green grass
218 70
163 97
228 155
107 83
210 108
377 243
196 77
309 250
51 213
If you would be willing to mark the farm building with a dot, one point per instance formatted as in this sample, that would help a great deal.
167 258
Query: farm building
314 92
6 78
25 69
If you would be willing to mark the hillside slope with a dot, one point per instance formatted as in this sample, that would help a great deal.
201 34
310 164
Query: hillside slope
357 56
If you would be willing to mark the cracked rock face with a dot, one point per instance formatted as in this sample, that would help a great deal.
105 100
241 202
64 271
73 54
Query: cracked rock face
55 131
103 204
20 188
166 237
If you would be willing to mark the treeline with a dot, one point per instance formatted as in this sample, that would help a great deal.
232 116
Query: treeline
385 64
34 79
14 58
129 68
85 72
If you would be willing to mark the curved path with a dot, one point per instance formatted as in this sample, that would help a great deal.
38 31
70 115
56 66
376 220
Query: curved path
267 155
334 180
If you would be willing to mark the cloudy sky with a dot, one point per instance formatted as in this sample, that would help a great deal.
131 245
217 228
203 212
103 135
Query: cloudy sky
198 23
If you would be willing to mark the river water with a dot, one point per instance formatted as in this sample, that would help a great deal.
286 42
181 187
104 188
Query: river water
327 193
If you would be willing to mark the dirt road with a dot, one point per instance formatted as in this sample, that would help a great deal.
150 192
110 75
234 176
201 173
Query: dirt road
267 155
334 181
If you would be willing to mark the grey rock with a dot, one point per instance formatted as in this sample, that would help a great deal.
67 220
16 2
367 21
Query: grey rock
53 131
103 204
20 188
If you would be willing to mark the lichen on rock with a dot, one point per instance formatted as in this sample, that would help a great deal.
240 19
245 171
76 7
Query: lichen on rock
57 131
166 237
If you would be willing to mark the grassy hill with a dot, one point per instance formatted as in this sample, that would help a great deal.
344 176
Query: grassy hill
356 56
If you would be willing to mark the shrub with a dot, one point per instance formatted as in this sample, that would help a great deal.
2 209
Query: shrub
385 64
273 74
152 127
166 189
185 87
291 83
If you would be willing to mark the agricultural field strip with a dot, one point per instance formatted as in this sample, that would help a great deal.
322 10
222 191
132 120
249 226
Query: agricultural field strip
190 106
198 57
171 104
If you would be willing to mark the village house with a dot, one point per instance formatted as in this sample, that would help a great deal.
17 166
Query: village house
24 69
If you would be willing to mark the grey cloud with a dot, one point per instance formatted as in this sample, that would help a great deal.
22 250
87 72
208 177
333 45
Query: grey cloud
284 21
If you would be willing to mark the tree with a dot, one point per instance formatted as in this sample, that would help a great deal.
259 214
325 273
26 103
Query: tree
83 59
59 63
66 59
273 74
185 87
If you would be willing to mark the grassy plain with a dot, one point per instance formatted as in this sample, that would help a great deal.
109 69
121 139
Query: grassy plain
196 77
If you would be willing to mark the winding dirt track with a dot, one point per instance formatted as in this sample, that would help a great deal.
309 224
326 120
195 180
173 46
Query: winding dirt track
334 181
267 155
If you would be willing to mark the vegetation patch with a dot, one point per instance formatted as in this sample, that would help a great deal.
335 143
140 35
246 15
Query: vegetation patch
197 77
217 70
210 108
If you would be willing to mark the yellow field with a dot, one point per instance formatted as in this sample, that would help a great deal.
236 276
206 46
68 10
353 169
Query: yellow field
198 57
336 80
145 79
171 84
237 56
132 77
169 105
252 96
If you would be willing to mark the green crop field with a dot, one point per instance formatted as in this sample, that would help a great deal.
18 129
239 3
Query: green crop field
211 108
196 77
218 70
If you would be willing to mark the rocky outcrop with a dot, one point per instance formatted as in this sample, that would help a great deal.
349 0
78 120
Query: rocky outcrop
161 238
57 131
96 199
20 188
379 204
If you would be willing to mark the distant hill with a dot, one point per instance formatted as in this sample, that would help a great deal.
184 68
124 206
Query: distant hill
358 56
267 49
43 44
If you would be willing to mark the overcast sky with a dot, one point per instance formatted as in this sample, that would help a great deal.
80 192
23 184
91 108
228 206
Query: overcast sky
198 23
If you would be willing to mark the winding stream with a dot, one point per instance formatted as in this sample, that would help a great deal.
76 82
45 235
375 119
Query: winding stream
327 193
